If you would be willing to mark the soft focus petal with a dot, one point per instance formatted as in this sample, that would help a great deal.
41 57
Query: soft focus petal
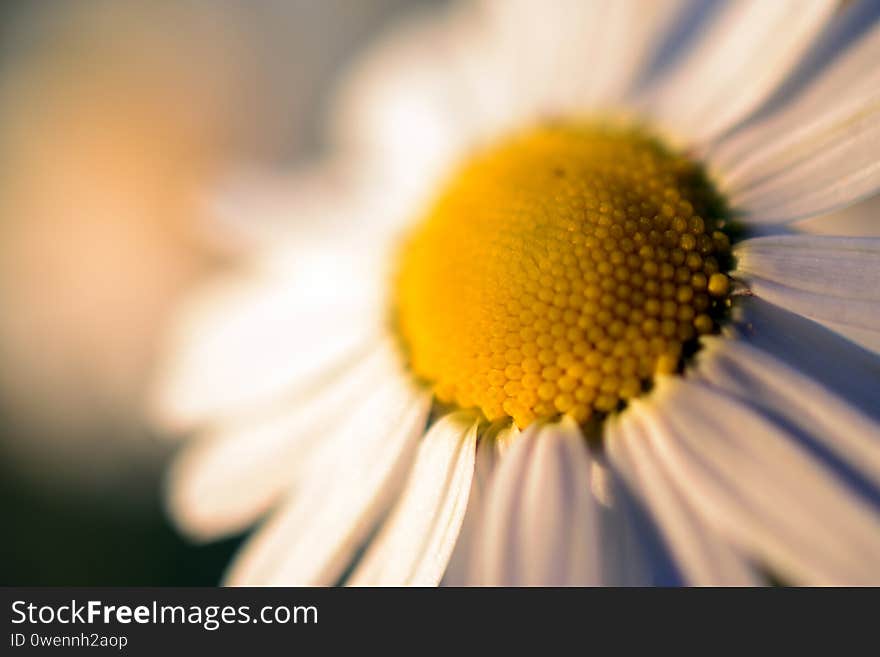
408 110
488 453
226 480
416 542
541 65
861 219
824 278
701 554
867 338
836 428
312 539
752 481
737 61
816 153
450 80
632 551
259 209
541 521
245 342
842 366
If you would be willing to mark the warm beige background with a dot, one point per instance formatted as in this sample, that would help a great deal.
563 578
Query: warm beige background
117 119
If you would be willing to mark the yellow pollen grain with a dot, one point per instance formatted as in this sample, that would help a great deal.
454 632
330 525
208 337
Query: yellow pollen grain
559 272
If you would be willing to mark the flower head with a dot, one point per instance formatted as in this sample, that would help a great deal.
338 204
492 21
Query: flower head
527 345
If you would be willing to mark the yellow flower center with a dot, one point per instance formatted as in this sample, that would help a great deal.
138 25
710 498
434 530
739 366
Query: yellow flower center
560 271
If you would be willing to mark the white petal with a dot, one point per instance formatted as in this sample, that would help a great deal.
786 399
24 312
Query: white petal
751 480
541 524
867 338
737 62
352 482
416 542
406 112
631 551
451 80
843 367
223 482
255 209
540 65
859 220
458 569
810 408
817 152
828 278
858 313
246 341
701 555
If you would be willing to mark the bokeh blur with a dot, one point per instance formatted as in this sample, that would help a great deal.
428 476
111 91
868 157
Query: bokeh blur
118 118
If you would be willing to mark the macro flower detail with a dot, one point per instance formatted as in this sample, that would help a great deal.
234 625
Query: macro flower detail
559 272
547 317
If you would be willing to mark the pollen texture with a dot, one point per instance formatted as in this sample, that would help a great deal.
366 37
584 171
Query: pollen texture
558 272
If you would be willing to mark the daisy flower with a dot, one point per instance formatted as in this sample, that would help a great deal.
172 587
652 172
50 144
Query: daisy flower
544 318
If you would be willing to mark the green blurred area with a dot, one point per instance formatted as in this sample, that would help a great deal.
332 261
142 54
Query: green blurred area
76 540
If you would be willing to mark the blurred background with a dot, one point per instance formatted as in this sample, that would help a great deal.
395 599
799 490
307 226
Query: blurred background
117 119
